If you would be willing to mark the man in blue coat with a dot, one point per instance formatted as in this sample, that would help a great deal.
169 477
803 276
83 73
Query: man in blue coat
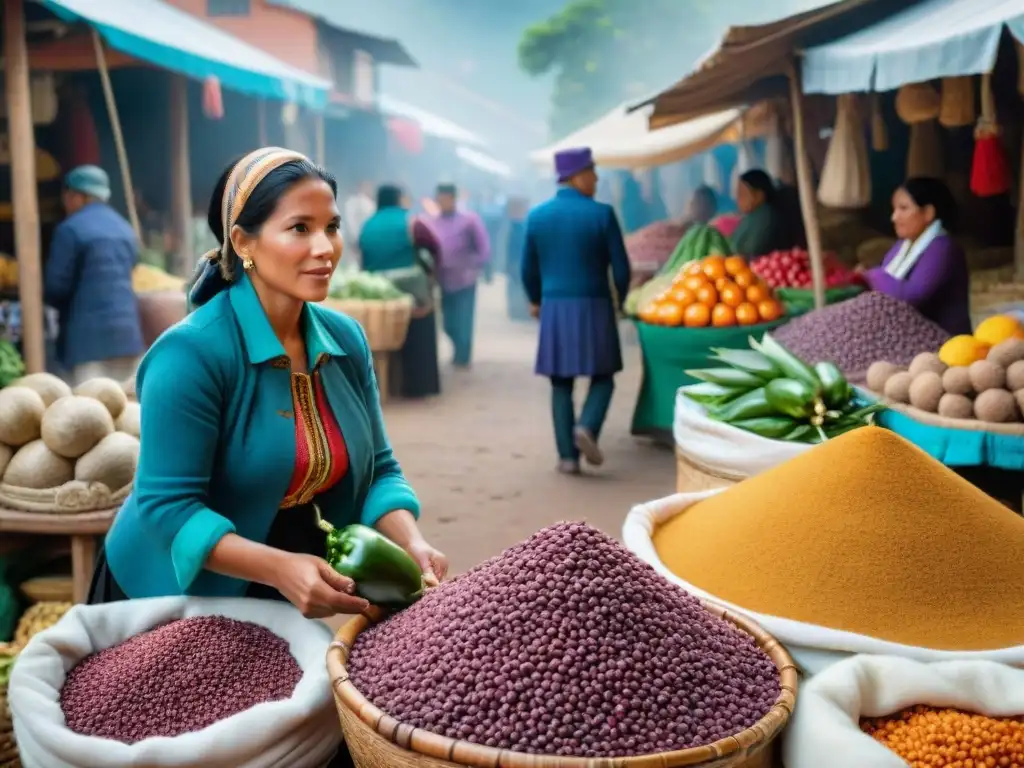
571 243
88 278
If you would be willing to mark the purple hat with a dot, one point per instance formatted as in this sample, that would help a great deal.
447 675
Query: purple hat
569 162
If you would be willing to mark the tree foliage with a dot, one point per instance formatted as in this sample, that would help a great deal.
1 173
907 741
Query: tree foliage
605 52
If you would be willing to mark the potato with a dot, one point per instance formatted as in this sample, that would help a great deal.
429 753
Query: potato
1015 376
986 375
112 462
107 391
956 406
36 466
996 406
21 414
74 424
927 361
51 388
897 388
926 391
957 381
130 420
1006 353
879 373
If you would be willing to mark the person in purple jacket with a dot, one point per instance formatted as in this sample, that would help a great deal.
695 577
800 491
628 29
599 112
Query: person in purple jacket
926 269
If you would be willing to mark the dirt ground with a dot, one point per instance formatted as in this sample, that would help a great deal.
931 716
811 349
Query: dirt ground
482 456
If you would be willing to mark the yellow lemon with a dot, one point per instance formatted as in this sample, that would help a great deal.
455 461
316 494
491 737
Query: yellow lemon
963 350
997 329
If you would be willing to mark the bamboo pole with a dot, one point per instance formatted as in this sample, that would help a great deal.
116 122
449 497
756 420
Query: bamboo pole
24 193
805 183
115 125
181 177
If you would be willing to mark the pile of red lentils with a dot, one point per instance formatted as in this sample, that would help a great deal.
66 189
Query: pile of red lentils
932 738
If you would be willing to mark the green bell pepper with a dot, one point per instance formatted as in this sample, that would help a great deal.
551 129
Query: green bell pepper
384 574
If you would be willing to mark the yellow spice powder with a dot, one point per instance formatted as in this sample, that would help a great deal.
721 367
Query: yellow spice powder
865 533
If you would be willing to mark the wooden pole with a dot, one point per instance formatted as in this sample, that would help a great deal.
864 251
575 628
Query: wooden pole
181 177
805 183
261 122
24 193
115 125
1018 241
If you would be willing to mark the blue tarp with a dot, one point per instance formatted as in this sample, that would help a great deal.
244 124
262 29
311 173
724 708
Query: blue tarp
936 38
153 31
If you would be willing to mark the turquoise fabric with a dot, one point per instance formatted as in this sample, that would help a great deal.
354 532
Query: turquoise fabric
757 232
386 242
218 442
667 354
958 447
175 40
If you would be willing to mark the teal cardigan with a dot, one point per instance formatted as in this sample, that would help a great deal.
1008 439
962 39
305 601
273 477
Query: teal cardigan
218 442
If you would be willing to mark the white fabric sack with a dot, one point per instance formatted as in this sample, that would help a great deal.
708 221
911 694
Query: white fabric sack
301 732
725 450
812 647
825 730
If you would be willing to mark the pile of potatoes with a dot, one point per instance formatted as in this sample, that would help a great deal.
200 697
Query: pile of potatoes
989 390
51 435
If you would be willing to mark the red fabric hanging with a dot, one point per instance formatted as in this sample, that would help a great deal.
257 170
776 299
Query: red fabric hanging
84 146
213 99
990 170
407 133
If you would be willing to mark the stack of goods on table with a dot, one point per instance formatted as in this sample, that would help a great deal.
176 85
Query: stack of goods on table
863 544
564 645
63 450
789 273
716 291
979 377
769 391
161 300
856 333
242 680
376 304
699 242
650 247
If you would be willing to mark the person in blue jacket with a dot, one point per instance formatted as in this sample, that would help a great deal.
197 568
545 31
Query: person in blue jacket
260 411
571 243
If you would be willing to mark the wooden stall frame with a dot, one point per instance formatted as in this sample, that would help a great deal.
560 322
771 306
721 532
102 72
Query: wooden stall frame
805 184
181 177
24 193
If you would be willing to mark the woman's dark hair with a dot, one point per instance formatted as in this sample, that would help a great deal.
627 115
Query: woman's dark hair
760 181
925 191
389 196
261 204
706 200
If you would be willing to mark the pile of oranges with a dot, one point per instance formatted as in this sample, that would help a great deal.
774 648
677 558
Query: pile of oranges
719 291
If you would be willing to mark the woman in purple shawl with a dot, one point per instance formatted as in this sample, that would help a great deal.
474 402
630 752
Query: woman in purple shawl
926 269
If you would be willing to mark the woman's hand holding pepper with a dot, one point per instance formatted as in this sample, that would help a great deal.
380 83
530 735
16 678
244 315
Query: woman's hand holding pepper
431 561
400 526
315 588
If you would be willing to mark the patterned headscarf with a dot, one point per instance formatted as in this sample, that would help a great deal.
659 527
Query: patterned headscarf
215 271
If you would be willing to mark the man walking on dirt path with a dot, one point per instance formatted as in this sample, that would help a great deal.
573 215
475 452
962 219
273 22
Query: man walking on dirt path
572 241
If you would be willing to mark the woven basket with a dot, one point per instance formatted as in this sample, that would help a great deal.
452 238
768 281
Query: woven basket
692 477
377 740
49 589
72 498
386 323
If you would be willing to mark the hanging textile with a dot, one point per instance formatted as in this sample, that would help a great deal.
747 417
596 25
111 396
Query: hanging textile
213 99
84 146
879 130
990 170
846 177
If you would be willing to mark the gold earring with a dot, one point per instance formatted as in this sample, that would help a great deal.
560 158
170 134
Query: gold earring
248 264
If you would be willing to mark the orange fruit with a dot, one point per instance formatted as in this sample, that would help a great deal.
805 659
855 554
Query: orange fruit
735 264
723 316
721 282
695 282
697 315
732 295
744 279
769 309
694 268
758 292
707 295
649 313
670 314
684 297
746 314
714 267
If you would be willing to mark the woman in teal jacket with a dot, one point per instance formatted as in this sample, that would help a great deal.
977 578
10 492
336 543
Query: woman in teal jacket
257 407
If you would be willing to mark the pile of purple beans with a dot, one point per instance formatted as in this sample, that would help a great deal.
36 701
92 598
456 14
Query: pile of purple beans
856 333
177 678
566 645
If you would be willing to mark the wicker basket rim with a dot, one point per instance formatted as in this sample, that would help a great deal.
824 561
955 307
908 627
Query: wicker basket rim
934 420
478 756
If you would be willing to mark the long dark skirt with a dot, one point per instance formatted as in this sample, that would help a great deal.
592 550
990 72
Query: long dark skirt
578 337
418 372
293 530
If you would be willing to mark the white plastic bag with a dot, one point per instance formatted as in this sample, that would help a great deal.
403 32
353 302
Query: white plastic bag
724 450
825 730
301 732
812 647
